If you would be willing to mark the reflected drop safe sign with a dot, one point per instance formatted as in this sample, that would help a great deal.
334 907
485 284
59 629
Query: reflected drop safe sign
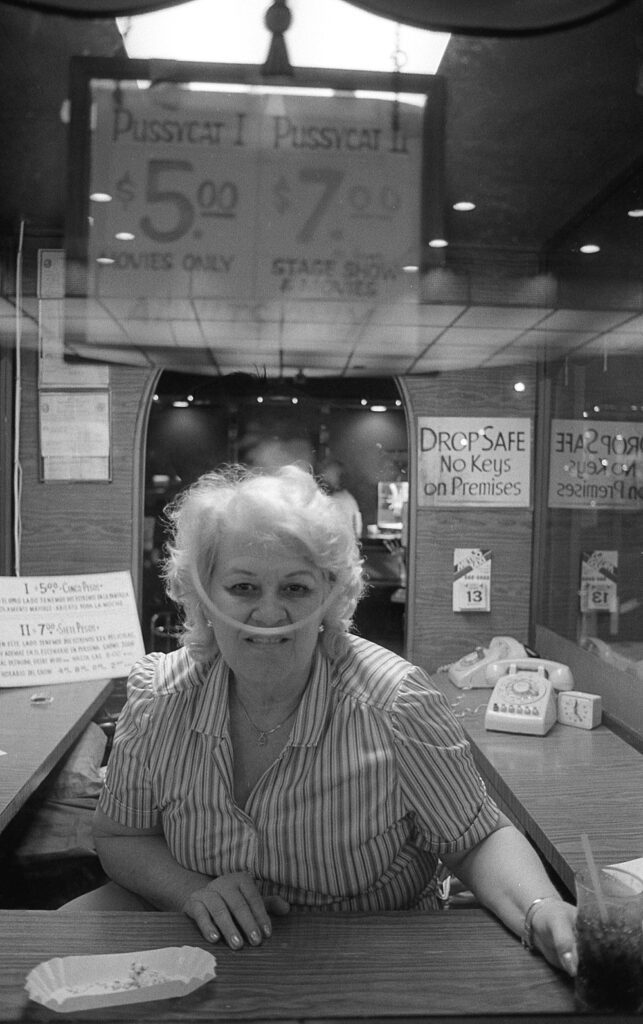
467 461
596 464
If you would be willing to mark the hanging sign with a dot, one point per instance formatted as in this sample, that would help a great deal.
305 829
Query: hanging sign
252 196
469 461
56 629
596 464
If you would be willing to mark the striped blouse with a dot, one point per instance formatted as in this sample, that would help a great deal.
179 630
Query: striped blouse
375 782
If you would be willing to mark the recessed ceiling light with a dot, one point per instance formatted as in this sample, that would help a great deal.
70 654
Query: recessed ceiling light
180 404
635 212
464 206
125 236
100 197
591 248
105 261
410 268
378 408
519 385
438 243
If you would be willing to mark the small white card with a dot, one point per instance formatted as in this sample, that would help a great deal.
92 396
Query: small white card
471 580
598 585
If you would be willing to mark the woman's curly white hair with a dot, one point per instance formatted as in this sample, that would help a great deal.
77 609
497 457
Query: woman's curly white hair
285 504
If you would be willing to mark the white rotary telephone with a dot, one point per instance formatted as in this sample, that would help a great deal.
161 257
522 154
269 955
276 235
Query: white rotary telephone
523 698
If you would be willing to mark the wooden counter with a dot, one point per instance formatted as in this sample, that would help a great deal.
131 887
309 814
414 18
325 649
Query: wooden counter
559 785
34 736
453 965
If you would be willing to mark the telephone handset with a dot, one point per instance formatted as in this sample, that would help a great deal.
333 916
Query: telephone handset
471 670
523 698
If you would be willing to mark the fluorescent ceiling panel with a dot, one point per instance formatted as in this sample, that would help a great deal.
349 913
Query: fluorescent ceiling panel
320 35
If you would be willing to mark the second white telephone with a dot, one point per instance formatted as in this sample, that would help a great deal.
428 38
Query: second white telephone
471 670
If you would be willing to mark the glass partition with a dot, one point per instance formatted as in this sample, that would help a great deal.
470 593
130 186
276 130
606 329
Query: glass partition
591 580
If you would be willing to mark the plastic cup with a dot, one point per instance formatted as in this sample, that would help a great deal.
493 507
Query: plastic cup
609 936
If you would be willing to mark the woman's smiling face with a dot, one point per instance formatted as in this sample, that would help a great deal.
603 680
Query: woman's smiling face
267 584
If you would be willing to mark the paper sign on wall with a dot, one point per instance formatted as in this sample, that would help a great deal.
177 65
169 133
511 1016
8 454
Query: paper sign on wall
471 580
598 586
471 461
57 629
75 434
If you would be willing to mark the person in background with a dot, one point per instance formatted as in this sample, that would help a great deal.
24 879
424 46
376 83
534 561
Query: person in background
331 479
276 762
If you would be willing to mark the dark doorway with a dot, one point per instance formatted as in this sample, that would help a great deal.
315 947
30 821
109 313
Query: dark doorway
199 423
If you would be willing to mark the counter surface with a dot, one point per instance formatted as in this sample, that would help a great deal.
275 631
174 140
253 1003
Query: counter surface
339 967
559 785
35 736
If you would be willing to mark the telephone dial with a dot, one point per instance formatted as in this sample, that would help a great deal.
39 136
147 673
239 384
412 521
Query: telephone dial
523 698
471 670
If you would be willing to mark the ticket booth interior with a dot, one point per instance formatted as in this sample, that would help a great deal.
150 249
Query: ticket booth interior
524 308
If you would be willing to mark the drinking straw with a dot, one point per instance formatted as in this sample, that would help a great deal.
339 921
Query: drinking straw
593 874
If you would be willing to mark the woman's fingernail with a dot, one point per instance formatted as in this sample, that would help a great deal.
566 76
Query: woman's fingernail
235 941
267 930
213 936
255 938
568 963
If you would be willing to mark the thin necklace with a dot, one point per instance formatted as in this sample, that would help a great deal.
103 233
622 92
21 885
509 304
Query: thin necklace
263 734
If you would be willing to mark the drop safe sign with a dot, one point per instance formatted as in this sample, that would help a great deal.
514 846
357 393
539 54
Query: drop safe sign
463 460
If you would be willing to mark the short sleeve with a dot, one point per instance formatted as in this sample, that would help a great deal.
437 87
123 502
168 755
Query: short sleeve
440 782
127 795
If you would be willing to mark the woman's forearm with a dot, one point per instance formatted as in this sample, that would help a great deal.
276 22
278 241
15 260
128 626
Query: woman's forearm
145 865
506 874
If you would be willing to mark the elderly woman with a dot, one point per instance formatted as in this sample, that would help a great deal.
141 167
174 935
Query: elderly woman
277 761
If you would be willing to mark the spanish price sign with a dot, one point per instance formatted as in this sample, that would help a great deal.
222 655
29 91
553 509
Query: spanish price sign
596 464
57 629
463 460
252 196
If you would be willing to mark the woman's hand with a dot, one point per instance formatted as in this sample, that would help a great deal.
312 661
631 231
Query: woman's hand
553 934
231 907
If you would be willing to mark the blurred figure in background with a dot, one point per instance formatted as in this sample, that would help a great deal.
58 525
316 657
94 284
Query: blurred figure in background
331 479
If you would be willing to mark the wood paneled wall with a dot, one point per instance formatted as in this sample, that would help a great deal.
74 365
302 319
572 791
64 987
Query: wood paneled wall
435 634
85 526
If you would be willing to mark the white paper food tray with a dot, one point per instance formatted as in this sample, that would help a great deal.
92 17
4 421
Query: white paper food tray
87 982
